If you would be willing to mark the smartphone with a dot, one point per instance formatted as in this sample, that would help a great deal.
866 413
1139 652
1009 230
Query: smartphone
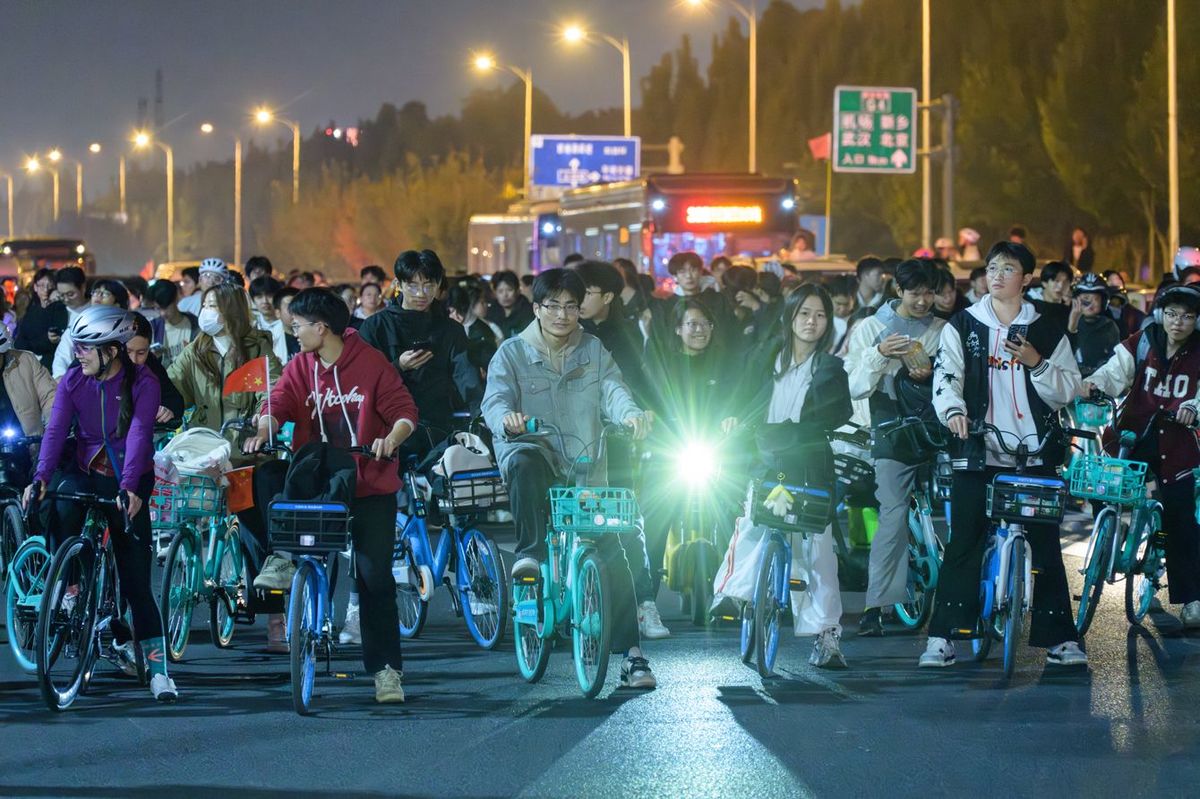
424 344
1018 333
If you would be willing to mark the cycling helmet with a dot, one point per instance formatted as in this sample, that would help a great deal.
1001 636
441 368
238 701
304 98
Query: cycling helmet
6 341
1091 283
213 265
1187 296
1184 258
102 324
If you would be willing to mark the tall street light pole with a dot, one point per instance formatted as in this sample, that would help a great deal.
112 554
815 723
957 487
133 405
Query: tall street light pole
207 128
486 63
1172 133
9 178
32 166
576 33
926 134
141 141
749 13
265 116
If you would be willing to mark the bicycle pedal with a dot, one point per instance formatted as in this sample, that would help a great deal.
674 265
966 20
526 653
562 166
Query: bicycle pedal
797 585
343 675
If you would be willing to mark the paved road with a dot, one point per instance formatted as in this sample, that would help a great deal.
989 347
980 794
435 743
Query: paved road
1127 726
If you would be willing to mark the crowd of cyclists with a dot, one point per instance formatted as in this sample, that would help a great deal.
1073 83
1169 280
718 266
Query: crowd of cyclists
759 358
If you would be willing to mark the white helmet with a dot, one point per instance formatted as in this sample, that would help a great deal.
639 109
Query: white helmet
103 324
1186 257
213 265
6 340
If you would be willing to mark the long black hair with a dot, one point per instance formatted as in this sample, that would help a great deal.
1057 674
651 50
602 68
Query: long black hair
791 307
128 376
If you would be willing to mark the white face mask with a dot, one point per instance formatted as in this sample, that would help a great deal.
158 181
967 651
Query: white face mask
210 321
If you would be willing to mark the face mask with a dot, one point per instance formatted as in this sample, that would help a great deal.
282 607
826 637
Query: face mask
210 321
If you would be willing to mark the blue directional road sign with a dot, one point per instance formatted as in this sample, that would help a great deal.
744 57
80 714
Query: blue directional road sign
568 161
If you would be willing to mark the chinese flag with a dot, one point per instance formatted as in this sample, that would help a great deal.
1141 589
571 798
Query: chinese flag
251 377
819 147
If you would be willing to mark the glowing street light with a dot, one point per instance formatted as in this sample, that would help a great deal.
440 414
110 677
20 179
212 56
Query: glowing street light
142 140
9 178
485 62
33 165
207 128
94 148
575 34
751 16
265 116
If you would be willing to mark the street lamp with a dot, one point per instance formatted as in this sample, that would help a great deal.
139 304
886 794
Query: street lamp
751 17
574 34
9 178
33 165
265 116
207 128
95 148
485 62
56 156
142 140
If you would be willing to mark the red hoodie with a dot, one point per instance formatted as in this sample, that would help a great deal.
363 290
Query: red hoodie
357 400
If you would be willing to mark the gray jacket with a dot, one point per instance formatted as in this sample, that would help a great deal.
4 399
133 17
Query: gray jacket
576 389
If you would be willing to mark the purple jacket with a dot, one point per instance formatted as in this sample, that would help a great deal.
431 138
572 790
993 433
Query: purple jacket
79 397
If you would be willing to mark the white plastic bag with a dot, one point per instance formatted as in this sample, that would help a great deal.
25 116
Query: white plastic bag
193 452
469 453
738 571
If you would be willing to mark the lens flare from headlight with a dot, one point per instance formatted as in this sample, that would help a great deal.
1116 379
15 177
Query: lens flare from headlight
696 464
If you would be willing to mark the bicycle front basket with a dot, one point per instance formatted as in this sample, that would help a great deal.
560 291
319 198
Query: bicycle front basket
1026 498
475 490
588 511
1089 414
790 508
1106 479
306 528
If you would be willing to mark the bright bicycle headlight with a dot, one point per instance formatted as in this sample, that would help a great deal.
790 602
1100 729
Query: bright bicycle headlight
696 464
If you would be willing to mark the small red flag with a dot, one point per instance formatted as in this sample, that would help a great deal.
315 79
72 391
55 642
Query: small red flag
820 146
250 377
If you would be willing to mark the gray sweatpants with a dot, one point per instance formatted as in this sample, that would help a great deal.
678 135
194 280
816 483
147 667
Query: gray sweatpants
888 576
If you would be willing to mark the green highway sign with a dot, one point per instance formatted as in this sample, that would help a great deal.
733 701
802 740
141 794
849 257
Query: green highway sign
874 129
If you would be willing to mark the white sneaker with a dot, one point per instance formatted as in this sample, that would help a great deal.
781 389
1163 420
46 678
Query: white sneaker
827 650
163 689
351 633
938 653
1067 653
1190 615
276 574
650 623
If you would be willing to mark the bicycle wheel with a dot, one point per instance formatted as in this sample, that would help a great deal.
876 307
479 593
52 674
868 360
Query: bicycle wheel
768 607
22 597
411 608
304 632
1014 621
533 651
982 646
65 639
1147 563
591 628
747 637
227 588
178 600
484 594
922 575
702 584
12 535
1097 570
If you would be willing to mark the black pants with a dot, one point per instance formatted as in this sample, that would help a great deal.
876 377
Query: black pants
374 535
957 600
624 559
269 478
1183 540
529 476
131 548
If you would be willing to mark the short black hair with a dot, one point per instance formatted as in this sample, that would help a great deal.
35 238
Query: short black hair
683 259
374 271
866 264
692 304
141 327
770 283
163 293
917 273
71 274
1018 252
264 287
259 262
45 271
554 281
507 276
720 259
628 271
944 278
237 278
366 286
425 263
1018 231
191 271
573 258
978 272
462 297
116 288
739 278
322 305
283 294
526 280
842 286
1053 269
601 275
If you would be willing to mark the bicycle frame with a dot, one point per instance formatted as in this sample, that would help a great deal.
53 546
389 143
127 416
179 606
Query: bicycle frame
324 602
1009 537
554 606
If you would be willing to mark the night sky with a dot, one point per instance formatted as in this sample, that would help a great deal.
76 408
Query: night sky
73 71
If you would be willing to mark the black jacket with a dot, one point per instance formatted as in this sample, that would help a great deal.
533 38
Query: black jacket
1093 345
515 321
691 392
34 327
624 342
449 382
171 399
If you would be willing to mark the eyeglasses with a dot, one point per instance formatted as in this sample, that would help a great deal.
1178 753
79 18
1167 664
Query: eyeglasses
81 350
297 325
101 293
1005 271
1176 317
419 288
698 327
554 309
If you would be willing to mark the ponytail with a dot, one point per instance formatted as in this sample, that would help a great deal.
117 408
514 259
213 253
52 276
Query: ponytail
129 375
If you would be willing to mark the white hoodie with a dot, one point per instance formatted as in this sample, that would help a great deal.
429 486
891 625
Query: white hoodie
1056 380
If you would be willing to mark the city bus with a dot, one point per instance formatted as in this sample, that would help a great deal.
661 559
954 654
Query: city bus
20 258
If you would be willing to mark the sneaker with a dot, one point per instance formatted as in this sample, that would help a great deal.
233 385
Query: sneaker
827 652
871 623
938 653
1190 615
125 658
525 568
277 643
351 633
276 574
1067 653
163 689
387 686
635 673
650 623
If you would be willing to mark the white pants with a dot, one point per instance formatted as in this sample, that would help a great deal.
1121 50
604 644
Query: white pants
814 560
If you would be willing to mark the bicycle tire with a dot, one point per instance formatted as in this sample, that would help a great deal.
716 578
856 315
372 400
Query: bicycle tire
485 588
923 567
177 602
1141 582
12 535
227 588
768 591
981 647
22 595
591 627
304 631
1097 570
1014 622
410 608
78 628
747 632
533 651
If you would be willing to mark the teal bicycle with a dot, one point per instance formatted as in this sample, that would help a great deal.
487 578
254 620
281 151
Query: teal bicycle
571 596
23 596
